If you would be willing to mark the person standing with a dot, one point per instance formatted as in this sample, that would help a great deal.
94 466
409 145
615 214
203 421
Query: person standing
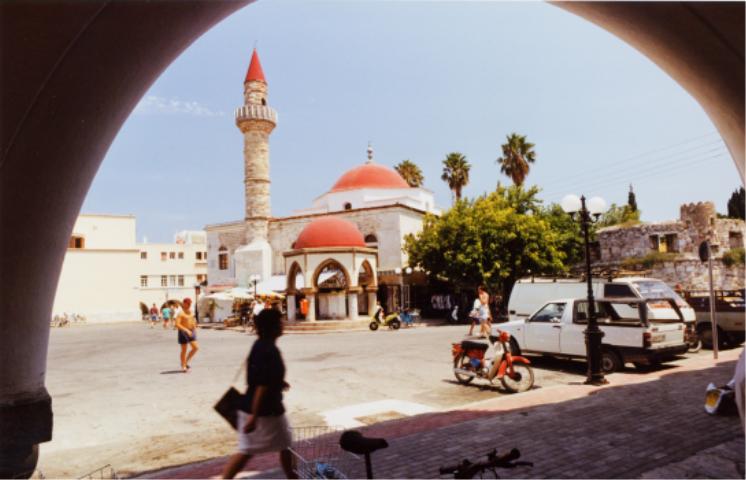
153 315
166 314
186 327
485 315
262 425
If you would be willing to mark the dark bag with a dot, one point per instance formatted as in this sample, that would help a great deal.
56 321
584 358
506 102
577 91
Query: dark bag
229 404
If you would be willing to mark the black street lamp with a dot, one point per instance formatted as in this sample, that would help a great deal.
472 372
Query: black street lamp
593 335
254 280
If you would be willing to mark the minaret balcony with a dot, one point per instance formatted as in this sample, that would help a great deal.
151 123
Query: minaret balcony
256 112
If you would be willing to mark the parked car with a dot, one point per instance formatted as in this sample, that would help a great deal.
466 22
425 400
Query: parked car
630 335
730 311
529 294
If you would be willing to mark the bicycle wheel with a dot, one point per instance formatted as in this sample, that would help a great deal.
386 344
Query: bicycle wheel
522 379
464 363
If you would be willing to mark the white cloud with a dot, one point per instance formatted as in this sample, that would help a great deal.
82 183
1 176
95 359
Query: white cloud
155 105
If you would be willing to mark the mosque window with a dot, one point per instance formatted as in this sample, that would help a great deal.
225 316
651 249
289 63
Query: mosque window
223 258
348 206
264 102
371 239
76 242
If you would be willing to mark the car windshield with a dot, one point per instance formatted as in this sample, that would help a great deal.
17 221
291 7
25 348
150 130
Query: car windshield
651 290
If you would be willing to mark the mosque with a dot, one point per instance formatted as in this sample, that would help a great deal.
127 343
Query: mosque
341 254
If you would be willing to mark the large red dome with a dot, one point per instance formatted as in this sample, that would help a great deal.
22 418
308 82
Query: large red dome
370 175
329 232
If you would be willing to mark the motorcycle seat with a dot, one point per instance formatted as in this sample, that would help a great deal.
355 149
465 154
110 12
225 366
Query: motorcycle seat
469 345
354 441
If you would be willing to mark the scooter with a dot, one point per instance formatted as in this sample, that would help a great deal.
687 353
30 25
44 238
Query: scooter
491 361
391 320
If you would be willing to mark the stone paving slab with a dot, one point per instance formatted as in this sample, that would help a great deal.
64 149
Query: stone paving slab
639 425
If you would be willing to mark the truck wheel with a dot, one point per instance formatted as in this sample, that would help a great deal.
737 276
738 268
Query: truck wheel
705 334
610 361
514 348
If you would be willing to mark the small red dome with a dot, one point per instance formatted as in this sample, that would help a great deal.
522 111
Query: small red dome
329 232
369 175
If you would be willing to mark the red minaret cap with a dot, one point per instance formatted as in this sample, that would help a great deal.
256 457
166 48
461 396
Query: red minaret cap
255 69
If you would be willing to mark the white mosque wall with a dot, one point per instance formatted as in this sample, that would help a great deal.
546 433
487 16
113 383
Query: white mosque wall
231 236
418 198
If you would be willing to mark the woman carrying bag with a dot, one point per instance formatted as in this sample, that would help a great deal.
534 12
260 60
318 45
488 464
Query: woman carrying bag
264 428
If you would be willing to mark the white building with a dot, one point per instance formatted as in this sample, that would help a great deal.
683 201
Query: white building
106 274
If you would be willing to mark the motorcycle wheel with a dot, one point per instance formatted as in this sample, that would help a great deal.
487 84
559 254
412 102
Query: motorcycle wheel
395 324
373 326
523 378
462 361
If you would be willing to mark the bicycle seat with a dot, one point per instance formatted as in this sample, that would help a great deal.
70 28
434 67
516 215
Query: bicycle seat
469 345
354 441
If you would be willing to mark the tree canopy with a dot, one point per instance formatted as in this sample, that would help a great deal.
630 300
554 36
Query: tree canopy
631 200
456 173
736 207
518 153
618 215
410 172
492 240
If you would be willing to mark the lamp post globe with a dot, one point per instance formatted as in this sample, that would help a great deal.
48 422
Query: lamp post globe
588 213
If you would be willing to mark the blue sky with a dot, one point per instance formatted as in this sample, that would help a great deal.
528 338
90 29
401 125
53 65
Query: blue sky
418 80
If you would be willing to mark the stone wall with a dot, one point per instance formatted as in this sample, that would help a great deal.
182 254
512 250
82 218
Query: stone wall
230 236
693 275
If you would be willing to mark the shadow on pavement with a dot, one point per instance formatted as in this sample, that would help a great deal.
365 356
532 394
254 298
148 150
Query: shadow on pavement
169 372
618 431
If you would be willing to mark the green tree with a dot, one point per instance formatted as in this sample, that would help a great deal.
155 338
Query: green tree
631 200
456 173
410 172
517 155
569 233
736 207
493 240
617 215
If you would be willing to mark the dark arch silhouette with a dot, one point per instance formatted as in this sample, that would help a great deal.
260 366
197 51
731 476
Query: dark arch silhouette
80 81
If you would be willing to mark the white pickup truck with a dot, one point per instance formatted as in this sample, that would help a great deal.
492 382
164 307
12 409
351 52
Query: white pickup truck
558 327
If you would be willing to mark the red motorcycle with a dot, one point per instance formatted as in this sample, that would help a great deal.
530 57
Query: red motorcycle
491 361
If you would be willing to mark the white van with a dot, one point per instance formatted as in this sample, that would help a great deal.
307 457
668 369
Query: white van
530 294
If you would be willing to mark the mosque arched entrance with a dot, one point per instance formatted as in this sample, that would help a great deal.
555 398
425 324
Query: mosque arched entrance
699 45
331 282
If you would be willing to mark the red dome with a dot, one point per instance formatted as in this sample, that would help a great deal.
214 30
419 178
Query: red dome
370 175
329 232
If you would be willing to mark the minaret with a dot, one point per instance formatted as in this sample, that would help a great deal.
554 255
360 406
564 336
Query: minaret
256 121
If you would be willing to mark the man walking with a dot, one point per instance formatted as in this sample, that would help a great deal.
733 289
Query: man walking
153 315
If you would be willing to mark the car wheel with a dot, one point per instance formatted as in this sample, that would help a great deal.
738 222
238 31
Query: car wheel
610 361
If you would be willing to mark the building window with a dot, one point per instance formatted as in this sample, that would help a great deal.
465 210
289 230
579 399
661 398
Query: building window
181 280
654 243
164 257
672 244
735 239
164 281
664 243
76 242
204 255
198 255
371 238
201 278
143 255
172 255
348 206
223 258
172 280
181 255
143 280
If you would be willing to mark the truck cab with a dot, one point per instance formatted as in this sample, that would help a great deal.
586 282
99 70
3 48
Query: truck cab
630 335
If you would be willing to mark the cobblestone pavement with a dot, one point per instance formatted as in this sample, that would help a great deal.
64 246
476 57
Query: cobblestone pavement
650 425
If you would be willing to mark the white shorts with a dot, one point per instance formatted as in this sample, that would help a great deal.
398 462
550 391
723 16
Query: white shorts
272 434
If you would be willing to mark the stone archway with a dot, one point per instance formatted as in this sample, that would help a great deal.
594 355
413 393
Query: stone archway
332 283
700 45
297 305
367 281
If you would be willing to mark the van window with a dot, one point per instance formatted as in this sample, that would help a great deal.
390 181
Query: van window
549 312
656 289
618 290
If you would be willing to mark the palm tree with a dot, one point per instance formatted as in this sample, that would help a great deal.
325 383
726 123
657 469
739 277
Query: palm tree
517 154
411 173
456 173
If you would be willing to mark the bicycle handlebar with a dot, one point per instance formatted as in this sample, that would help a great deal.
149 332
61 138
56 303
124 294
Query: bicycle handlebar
467 469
